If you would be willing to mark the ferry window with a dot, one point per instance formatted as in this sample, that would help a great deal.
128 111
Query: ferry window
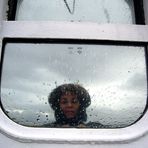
100 11
113 77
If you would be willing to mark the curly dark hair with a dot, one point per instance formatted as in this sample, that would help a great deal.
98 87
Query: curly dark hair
83 97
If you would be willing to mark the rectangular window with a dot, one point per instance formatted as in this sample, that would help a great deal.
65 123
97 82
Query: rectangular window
114 76
106 11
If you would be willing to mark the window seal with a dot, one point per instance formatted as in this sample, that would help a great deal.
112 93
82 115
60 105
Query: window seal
12 5
139 12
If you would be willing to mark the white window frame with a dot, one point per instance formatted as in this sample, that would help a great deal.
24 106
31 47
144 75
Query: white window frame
80 31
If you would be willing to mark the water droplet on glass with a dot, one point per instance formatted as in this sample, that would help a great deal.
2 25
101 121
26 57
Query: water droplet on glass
79 51
55 83
7 112
70 47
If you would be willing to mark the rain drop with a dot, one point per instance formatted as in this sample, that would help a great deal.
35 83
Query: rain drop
79 51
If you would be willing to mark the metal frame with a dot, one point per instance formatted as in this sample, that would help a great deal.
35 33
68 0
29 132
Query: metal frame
80 31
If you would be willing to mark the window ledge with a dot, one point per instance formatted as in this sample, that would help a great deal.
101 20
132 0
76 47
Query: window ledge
56 135
73 30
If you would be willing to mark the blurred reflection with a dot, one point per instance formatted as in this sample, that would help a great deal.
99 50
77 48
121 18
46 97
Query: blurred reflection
69 102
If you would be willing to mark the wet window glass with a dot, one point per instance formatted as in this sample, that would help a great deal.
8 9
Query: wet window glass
49 84
100 11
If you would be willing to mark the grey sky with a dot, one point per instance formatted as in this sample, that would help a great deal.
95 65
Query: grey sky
115 77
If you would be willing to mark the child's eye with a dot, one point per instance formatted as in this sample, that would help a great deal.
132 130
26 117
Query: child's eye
64 102
75 101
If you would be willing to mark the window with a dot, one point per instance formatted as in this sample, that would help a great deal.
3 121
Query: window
86 33
114 75
75 10
106 11
119 11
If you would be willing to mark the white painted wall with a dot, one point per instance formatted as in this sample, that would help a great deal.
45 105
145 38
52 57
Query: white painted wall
6 142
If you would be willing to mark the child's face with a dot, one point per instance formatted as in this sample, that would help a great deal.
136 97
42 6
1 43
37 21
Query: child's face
69 104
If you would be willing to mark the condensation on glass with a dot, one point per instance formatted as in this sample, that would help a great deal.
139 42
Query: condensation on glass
114 76
100 11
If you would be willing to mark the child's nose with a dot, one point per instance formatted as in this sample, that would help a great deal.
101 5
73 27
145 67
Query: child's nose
69 104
